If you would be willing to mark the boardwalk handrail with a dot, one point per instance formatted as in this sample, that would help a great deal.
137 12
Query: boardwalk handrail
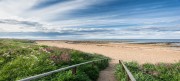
73 67
130 77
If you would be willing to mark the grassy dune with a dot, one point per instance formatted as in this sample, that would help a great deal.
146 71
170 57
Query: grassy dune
150 72
23 58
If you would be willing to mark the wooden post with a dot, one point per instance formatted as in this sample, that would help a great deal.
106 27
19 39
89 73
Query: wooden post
74 70
93 64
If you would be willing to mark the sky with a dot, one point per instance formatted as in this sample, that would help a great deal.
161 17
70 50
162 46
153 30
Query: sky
90 19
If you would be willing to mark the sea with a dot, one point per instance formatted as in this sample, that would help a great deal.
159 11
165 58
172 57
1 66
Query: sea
173 42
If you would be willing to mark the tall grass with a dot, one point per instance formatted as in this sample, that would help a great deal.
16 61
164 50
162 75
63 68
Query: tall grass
23 58
150 72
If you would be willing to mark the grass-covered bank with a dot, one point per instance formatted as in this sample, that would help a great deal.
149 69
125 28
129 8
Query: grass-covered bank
23 58
150 72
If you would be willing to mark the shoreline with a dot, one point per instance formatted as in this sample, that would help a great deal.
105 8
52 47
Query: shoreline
166 44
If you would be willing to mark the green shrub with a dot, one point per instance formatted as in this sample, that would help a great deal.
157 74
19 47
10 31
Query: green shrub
91 70
102 64
24 66
67 76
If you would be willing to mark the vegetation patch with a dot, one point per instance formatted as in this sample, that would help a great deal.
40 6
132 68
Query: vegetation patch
23 58
150 72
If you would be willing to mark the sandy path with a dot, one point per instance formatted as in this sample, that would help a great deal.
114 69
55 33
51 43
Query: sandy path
125 52
108 73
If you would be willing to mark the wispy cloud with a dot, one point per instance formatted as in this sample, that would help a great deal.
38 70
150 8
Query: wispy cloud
16 22
85 19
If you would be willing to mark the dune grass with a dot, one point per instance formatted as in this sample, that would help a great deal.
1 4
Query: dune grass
23 58
150 72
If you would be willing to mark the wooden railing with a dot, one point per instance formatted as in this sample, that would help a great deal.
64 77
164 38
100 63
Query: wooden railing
73 67
129 75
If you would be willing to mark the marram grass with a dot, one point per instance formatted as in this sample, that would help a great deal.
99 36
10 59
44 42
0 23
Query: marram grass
150 72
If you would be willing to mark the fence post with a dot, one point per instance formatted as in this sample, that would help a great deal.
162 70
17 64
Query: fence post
74 70
93 64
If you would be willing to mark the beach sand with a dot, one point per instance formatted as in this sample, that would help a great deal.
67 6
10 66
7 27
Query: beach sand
141 53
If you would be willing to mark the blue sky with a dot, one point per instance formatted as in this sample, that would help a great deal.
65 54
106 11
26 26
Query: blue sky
90 19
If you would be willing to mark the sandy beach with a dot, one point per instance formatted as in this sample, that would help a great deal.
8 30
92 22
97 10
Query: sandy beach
141 53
